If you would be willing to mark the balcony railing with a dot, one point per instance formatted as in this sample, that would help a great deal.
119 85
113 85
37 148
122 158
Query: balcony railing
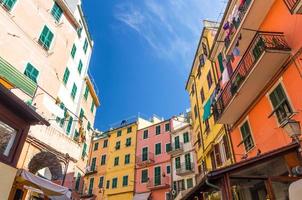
176 148
294 6
262 42
145 159
185 169
158 182
90 170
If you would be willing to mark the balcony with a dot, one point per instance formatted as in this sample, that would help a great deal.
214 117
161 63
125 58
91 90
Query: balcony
185 169
144 160
294 6
158 183
264 57
90 170
176 148
250 16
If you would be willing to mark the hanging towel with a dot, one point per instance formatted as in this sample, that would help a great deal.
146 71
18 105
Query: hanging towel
236 51
225 76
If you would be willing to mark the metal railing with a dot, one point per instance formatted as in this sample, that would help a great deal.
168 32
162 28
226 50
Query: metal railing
234 25
262 41
144 159
185 168
175 147
158 182
291 4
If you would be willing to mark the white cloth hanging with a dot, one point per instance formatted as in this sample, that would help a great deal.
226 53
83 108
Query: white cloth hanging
225 76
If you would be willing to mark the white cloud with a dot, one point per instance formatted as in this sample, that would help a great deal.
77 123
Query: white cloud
171 27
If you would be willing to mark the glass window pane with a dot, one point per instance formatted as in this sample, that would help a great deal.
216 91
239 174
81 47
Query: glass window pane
7 138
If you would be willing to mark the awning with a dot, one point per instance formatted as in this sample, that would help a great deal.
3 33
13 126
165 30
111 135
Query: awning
142 196
47 187
207 110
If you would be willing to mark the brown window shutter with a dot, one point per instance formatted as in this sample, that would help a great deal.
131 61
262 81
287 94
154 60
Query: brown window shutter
226 147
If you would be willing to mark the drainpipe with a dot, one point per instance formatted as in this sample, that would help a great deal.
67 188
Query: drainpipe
212 185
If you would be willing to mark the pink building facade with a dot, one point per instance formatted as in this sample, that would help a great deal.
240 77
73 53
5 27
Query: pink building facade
153 163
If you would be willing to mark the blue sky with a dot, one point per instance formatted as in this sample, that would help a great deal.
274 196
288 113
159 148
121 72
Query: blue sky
143 51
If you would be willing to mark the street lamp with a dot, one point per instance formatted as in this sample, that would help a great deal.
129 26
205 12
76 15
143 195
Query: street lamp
293 129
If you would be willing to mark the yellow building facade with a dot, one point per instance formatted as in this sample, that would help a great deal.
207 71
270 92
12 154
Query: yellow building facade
210 139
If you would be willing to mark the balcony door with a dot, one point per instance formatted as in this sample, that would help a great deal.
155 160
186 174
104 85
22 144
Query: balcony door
157 176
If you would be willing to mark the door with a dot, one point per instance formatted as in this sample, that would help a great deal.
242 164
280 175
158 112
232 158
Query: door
157 176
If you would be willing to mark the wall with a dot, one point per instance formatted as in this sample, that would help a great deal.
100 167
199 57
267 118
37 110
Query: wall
7 177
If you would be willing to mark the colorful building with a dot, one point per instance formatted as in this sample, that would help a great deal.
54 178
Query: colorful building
95 174
210 138
153 162
257 51
183 157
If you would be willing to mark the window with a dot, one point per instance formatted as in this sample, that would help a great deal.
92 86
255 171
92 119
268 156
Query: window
92 107
66 76
119 133
201 61
116 161
8 136
198 139
96 146
192 89
90 188
177 143
202 95
93 162
128 142
209 79
88 126
31 72
68 128
84 150
145 134
46 38
82 114
189 183
127 159
167 127
247 139
157 130
157 148
144 177
217 153
80 67
125 181
77 183
129 129
86 92
103 160
56 12
105 144
188 161
168 169
117 145
79 32
195 112
101 182
213 162
145 154
157 176
74 91
207 125
107 184
73 50
8 4
177 162
281 105
205 49
186 137
226 147
168 147
168 196
85 47
114 183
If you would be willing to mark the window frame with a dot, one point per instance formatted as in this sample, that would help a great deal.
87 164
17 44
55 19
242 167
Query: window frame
147 133
157 130
31 75
246 121
147 176
155 153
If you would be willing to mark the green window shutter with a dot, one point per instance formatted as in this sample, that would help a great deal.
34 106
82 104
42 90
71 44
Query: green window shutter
128 142
177 144
101 182
127 159
145 134
220 61
93 162
69 125
125 181
117 145
118 133
85 47
88 126
168 169
81 114
90 186
80 67
129 129
8 4
157 176
158 149
167 127
105 144
31 72
77 184
116 161
189 183
103 160
145 154
157 130
79 32
46 38
188 161
66 76
74 91
186 137
56 11
177 162
84 150
92 107
107 184
144 177
86 92
168 147
114 183
73 50
96 146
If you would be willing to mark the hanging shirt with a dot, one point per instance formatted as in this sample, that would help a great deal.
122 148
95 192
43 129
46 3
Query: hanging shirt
225 76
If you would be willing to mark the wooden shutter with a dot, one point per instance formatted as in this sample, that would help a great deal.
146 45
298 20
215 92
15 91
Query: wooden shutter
226 147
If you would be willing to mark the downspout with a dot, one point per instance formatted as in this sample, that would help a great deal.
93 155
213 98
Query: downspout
212 185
